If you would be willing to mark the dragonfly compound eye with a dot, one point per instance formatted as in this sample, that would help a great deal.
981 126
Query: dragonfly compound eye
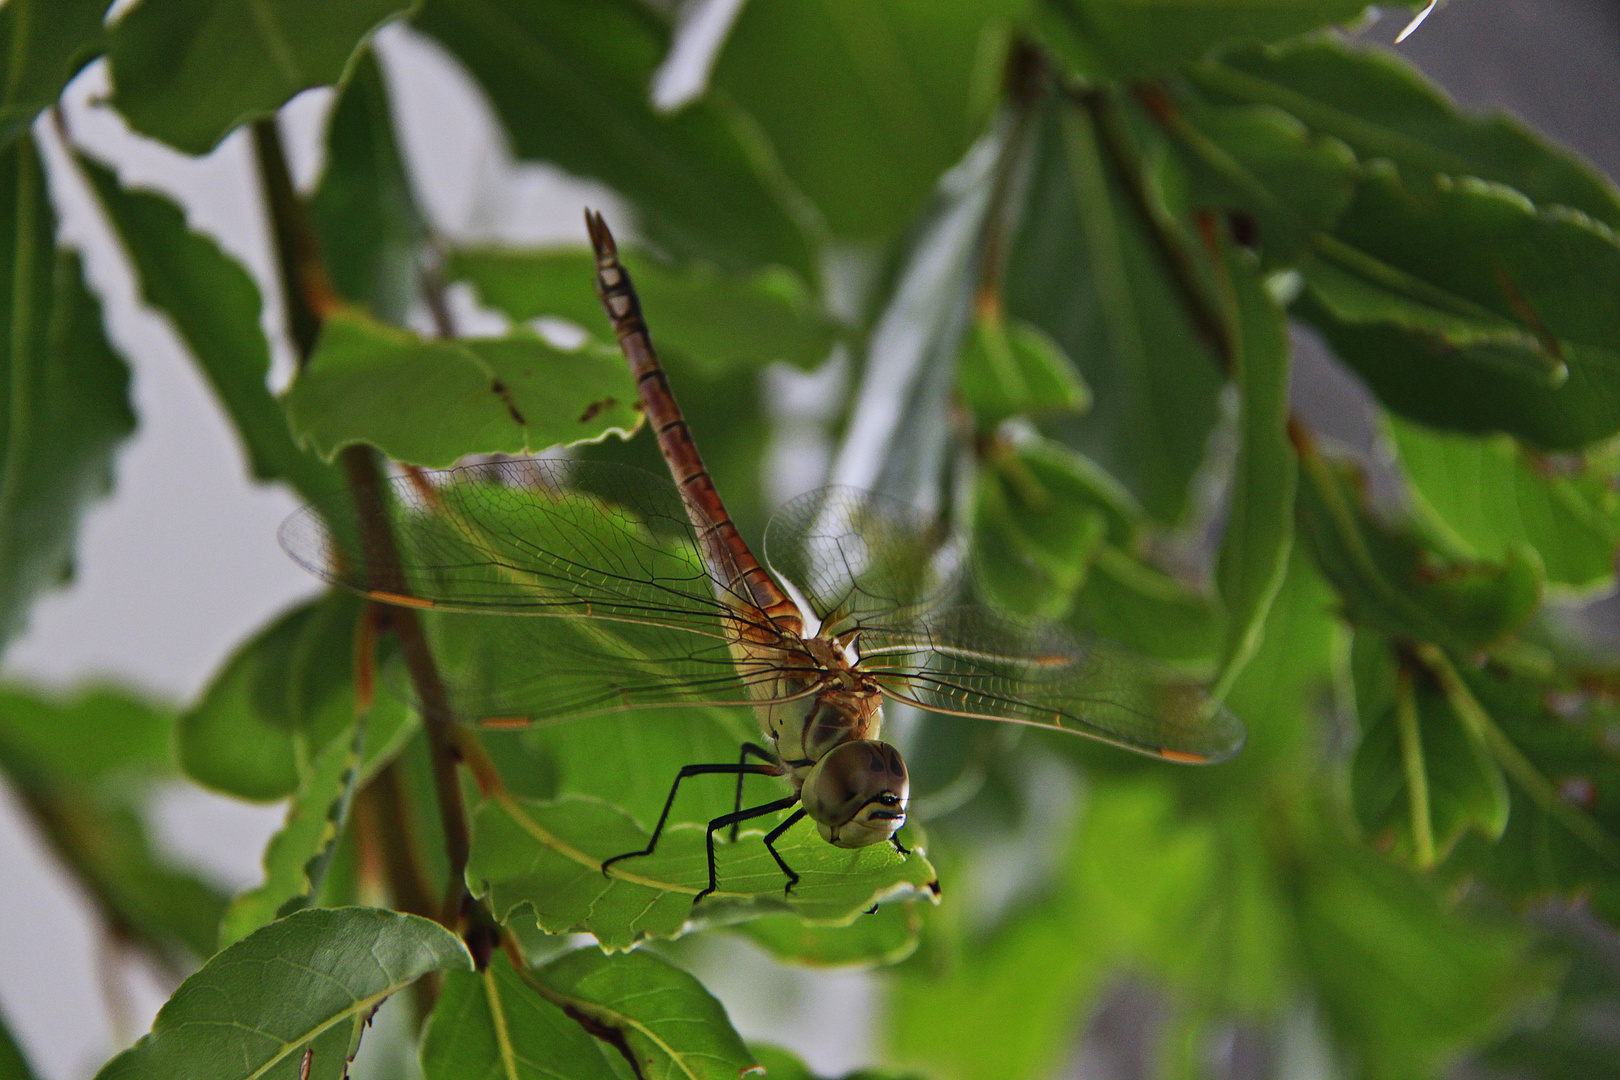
857 794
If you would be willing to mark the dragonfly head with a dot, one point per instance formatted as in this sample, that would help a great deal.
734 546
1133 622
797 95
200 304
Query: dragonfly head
856 794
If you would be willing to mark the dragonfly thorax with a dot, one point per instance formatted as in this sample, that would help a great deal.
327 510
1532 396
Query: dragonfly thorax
839 704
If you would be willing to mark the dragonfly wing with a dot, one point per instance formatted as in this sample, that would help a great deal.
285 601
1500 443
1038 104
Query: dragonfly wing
505 672
859 558
976 662
528 537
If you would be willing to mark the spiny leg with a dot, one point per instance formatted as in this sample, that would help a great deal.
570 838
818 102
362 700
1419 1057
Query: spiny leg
763 755
770 846
730 819
689 770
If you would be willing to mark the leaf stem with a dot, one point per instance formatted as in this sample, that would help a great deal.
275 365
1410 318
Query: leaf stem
1417 774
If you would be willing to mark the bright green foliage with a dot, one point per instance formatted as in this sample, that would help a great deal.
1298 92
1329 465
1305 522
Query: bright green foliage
1473 278
280 701
837 84
1483 496
710 320
432 402
85 769
311 979
543 860
189 71
1382 108
665 1020
1128 38
1259 526
1016 370
1262 161
496 1023
1051 248
1084 270
214 305
363 212
585 65
885 936
44 44
66 392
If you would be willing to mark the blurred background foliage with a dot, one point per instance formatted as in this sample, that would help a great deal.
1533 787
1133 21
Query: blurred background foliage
1041 267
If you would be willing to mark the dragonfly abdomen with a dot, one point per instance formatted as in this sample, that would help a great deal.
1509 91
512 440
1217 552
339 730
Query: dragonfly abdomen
734 567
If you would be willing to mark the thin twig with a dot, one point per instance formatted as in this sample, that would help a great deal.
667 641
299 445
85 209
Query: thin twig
306 289
308 298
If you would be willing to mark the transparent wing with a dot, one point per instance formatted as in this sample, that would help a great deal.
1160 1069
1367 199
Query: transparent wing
505 672
859 559
608 551
530 537
975 662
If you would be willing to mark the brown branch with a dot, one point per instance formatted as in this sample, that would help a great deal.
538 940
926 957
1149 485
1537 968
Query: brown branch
306 289
309 299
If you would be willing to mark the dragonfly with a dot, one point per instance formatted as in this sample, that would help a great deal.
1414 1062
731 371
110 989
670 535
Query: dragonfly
854 605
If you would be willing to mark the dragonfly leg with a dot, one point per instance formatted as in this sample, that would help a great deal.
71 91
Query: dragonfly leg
690 770
743 815
763 755
770 846
898 846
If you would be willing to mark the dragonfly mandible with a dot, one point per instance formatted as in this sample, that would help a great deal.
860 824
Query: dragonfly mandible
669 607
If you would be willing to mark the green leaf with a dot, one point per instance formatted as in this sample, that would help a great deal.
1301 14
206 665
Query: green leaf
1003 1007
1260 514
365 218
1144 608
494 1023
191 71
543 860
280 701
214 305
432 402
12 1063
712 320
1409 725
780 1064
1392 582
312 978
1011 369
1085 271
1128 38
1562 1040
1406 983
296 858
1263 162
1554 733
1465 307
667 1022
1041 515
1383 108
66 393
865 105
44 44
570 81
84 769
886 936
1483 496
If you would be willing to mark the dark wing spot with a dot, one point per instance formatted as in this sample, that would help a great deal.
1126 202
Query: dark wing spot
597 408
